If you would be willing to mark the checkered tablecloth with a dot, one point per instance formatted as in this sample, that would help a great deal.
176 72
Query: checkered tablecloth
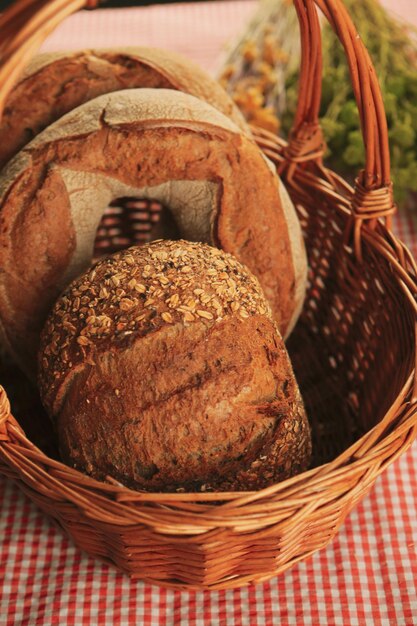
366 576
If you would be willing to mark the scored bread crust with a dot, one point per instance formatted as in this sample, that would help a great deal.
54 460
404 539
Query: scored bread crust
55 83
162 367
159 143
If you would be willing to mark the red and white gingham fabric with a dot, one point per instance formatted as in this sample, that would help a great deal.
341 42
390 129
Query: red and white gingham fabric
367 576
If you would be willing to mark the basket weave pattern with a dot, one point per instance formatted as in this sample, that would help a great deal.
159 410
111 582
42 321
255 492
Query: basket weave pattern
353 352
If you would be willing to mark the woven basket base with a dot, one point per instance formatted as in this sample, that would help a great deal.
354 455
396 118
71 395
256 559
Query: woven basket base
352 357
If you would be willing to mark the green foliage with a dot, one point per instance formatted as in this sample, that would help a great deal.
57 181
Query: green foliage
394 54
354 153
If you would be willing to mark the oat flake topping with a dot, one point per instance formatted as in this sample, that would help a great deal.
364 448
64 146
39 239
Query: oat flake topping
141 289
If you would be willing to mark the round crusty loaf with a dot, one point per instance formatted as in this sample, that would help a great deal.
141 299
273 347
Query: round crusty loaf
152 143
163 368
55 83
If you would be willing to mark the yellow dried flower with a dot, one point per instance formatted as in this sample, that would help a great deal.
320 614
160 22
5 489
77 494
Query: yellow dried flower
249 51
266 118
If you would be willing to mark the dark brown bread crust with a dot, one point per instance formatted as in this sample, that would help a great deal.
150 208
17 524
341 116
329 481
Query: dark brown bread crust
55 83
163 368
38 231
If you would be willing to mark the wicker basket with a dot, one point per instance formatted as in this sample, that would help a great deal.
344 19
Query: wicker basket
353 351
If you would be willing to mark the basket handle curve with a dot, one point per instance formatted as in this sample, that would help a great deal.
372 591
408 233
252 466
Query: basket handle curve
373 195
23 28
4 405
26 23
6 417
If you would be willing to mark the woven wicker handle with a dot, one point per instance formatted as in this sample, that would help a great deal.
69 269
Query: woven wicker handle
373 196
23 28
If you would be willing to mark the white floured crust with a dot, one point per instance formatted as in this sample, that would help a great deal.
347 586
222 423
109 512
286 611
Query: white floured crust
40 61
55 83
181 73
298 255
155 143
191 202
143 106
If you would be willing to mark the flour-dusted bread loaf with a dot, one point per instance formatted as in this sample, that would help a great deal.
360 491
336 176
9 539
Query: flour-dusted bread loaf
152 143
162 367
55 83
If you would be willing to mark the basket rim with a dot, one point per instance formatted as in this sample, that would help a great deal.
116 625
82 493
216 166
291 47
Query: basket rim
120 505
111 502
365 458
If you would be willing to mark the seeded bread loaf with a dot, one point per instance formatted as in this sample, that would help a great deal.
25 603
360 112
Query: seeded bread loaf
163 368
151 143
55 83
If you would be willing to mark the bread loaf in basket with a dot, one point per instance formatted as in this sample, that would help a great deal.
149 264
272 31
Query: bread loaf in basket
353 352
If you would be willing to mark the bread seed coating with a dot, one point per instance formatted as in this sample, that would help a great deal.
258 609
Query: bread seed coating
184 384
